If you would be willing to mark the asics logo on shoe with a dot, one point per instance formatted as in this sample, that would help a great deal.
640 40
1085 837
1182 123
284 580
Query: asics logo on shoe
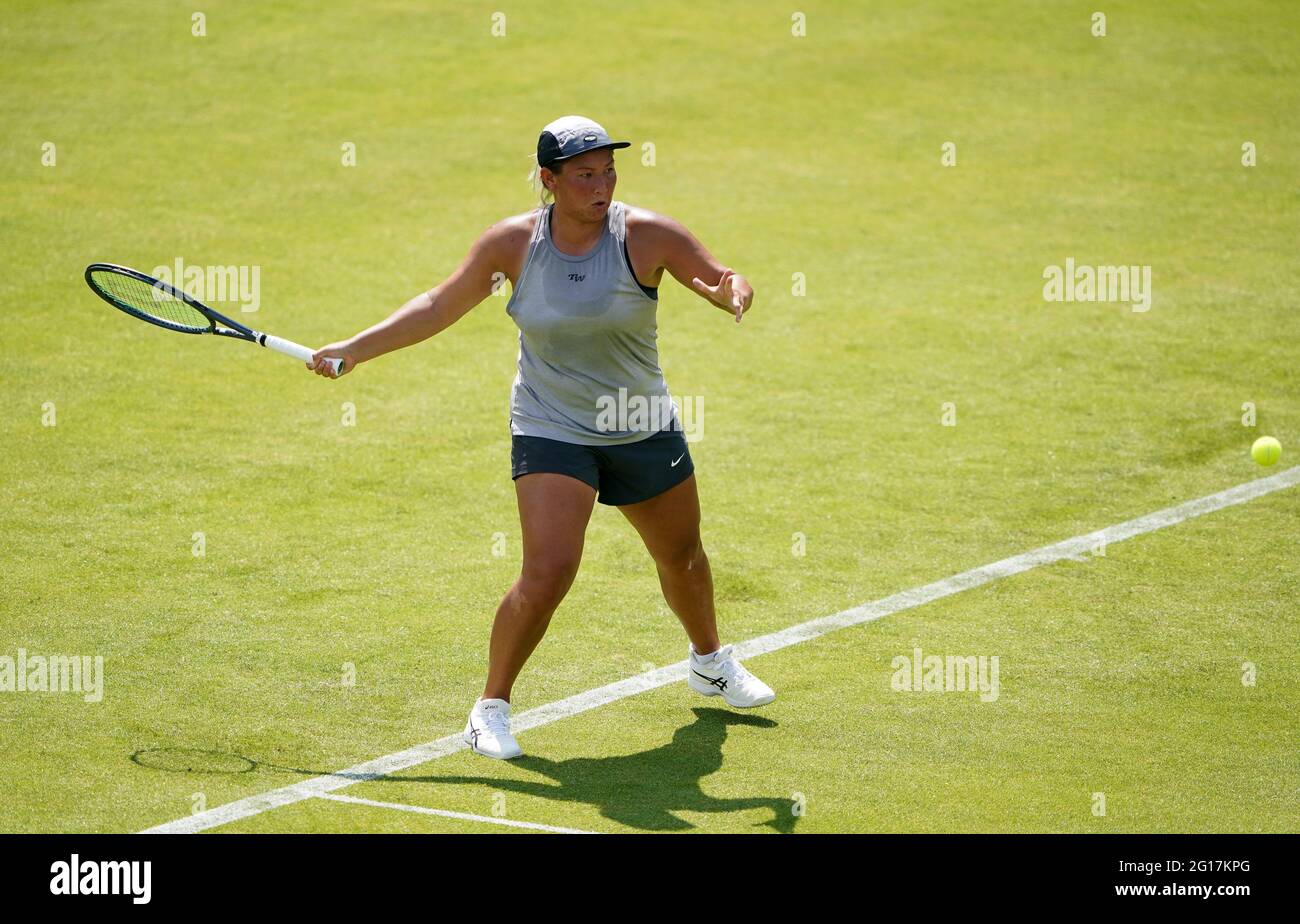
719 682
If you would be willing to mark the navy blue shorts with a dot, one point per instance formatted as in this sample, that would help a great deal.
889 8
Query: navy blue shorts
627 473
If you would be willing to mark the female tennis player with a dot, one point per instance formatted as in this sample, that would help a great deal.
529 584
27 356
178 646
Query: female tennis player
585 271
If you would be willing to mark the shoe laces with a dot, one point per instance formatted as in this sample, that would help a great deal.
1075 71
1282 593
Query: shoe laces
497 722
733 670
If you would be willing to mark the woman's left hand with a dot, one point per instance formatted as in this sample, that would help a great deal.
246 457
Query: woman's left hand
732 293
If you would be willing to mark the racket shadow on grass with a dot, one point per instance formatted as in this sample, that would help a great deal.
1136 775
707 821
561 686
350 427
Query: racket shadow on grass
200 760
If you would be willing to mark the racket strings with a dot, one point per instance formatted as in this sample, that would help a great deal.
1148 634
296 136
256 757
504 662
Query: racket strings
154 302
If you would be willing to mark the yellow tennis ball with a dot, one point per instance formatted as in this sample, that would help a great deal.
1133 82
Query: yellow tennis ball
1266 450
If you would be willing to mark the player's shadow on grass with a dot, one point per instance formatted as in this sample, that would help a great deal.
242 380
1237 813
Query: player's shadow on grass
636 790
642 790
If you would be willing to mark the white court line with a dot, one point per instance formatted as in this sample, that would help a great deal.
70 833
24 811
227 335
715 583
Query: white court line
601 696
402 807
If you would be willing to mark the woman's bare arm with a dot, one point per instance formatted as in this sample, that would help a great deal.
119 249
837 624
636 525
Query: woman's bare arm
691 264
429 312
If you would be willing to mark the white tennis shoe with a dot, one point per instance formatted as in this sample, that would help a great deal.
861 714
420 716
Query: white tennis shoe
721 674
488 731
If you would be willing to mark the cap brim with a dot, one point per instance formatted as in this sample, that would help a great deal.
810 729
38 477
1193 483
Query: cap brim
598 147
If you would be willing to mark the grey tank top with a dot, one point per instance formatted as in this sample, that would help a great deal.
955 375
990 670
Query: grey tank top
588 360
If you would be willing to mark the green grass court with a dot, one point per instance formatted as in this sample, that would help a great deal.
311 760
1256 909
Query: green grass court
372 545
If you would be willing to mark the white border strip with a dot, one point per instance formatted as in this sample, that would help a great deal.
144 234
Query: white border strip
1074 549
402 807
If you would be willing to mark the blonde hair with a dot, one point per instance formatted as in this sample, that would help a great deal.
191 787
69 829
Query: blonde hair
544 196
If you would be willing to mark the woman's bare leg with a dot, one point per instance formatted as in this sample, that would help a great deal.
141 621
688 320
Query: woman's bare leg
554 511
669 525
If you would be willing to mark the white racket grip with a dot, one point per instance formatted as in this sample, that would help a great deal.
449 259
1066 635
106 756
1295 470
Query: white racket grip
296 350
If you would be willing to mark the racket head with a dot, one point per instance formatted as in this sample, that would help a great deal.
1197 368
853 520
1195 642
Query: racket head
149 299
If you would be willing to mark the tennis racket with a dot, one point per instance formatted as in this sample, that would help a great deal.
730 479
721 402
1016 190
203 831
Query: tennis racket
157 302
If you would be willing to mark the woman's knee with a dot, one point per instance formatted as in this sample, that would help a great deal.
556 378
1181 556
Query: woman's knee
546 581
687 555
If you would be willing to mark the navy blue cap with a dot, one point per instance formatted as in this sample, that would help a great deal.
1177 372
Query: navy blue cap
570 136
